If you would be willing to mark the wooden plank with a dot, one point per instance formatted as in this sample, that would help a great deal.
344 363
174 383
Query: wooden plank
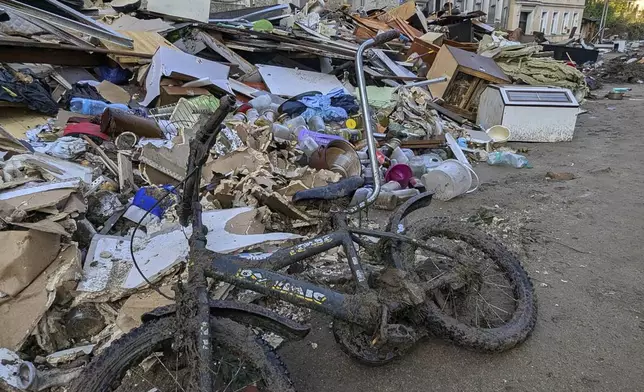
468 96
482 75
447 113
373 24
330 49
225 52
422 144
145 42
320 52
444 65
403 11
111 166
126 175
67 56
389 63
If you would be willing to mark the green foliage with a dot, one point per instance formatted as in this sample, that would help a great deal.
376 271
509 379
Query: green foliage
623 17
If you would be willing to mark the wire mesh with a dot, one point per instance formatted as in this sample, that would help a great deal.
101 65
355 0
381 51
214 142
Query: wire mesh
184 114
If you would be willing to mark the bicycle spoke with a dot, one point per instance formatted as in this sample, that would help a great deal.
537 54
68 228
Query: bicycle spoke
491 307
234 376
497 285
476 310
245 386
508 295
170 373
154 387
484 318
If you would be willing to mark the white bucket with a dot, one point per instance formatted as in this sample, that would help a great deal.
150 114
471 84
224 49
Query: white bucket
449 180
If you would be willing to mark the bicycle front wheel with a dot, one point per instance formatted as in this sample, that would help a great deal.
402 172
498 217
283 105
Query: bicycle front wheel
144 359
491 305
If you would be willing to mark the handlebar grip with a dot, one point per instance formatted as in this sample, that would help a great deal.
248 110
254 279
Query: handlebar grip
385 37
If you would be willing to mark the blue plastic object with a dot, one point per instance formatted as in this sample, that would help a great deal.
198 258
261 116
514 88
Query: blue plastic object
92 107
144 199
116 75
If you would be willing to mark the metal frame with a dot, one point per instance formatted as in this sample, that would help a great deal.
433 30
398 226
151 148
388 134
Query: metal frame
364 308
37 13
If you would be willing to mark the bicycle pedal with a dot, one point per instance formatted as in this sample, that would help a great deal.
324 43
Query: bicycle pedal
398 334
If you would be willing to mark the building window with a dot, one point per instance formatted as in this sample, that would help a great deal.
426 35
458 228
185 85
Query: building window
566 22
555 23
575 20
523 22
544 21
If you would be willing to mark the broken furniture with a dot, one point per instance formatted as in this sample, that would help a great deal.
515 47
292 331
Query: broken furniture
468 74
578 55
533 114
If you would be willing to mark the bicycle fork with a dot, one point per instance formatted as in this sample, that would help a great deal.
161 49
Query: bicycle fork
199 286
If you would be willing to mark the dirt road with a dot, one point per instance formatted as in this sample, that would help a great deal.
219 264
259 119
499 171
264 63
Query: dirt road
578 239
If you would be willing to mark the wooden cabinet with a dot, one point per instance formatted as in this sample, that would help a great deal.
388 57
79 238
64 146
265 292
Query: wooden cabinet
468 75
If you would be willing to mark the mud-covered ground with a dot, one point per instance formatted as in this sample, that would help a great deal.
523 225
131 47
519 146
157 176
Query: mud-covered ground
579 241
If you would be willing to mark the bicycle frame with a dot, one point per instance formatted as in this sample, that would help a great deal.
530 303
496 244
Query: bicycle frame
259 275
362 308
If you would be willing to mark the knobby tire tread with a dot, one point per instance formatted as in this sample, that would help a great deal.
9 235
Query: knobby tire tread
133 347
499 339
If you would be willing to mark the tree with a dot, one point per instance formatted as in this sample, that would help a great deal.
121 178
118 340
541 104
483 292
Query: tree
623 17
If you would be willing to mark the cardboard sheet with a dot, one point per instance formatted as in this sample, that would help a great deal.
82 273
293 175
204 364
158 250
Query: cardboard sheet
178 65
25 255
289 82
109 274
21 314
113 93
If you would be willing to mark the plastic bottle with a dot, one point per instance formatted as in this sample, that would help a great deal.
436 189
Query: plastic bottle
252 115
361 195
399 156
91 107
391 186
282 132
309 146
508 158
405 194
260 103
417 165
386 201
295 122
316 123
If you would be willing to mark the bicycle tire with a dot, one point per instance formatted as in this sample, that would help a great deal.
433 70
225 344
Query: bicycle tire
498 339
105 372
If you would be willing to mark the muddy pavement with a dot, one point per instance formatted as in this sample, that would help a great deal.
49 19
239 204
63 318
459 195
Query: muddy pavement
580 242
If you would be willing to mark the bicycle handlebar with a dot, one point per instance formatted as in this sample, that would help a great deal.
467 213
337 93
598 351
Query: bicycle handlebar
385 37
380 39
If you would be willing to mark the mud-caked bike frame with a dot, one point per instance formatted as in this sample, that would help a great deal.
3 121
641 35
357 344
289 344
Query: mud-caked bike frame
259 274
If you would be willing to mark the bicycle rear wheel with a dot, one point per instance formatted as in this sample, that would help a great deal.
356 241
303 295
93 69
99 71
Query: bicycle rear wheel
144 360
490 306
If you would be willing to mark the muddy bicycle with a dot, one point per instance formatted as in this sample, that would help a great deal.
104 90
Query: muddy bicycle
433 277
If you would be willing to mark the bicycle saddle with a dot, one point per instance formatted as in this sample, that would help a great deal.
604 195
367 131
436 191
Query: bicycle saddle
338 190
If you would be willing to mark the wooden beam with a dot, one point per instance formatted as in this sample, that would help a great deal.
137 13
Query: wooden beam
111 166
126 175
225 52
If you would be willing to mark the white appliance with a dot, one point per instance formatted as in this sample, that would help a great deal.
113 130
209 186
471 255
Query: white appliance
532 114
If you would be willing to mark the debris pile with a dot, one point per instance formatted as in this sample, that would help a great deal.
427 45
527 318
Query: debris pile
100 102
622 69
520 62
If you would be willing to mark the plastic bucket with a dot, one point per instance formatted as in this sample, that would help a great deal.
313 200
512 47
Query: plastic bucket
450 179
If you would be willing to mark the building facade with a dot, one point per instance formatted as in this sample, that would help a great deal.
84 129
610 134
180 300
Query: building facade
555 18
